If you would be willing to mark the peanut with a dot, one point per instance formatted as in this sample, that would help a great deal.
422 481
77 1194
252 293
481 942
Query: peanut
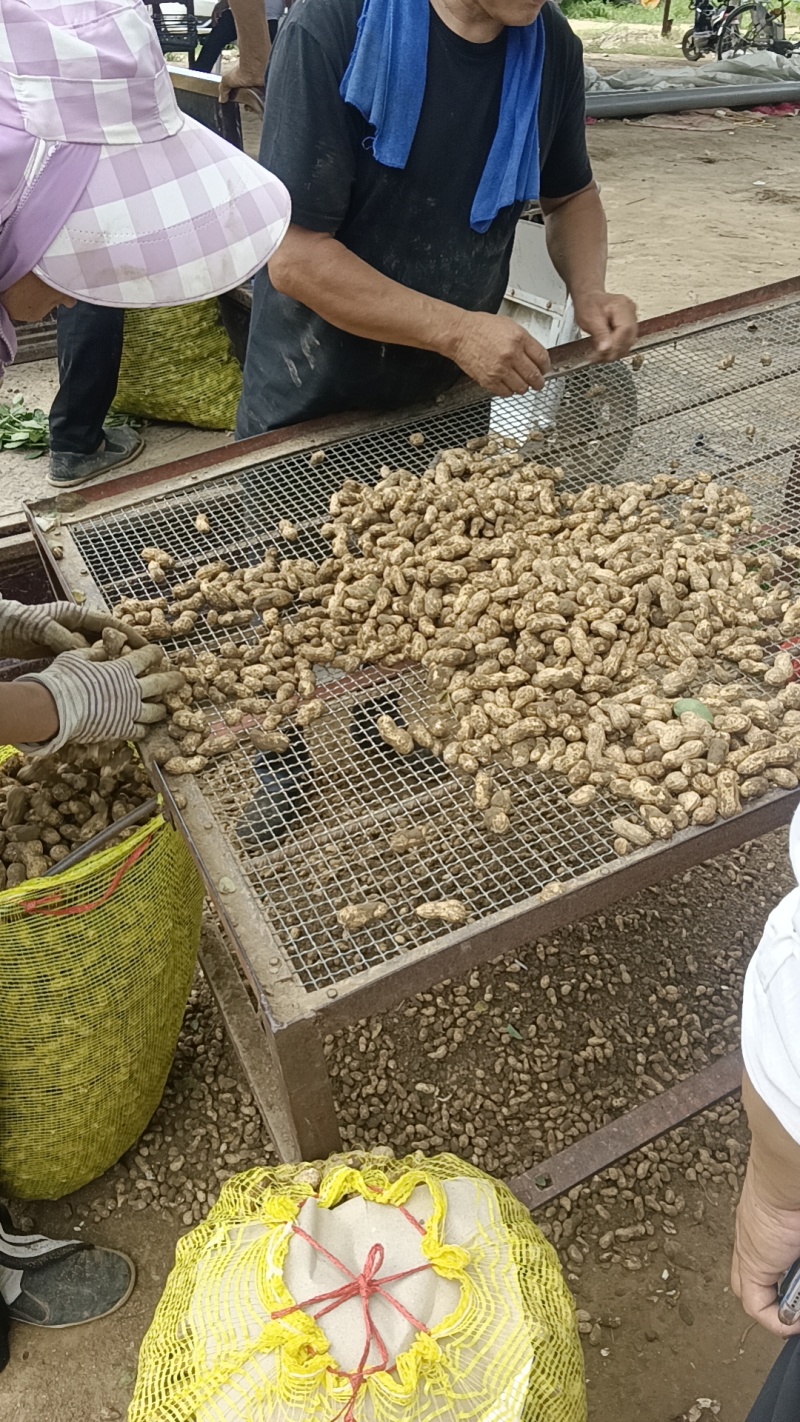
450 911
355 916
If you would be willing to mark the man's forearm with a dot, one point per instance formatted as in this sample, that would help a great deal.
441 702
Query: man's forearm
324 275
27 714
253 37
321 273
577 241
578 245
774 1155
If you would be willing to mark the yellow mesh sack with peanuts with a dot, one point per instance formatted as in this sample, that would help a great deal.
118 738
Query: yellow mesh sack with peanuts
365 1289
178 365
96 964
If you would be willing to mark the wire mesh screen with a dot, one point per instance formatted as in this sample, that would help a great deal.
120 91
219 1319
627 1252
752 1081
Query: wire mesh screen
343 819
348 820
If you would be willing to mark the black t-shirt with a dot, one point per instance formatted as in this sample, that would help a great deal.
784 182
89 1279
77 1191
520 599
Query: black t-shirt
412 224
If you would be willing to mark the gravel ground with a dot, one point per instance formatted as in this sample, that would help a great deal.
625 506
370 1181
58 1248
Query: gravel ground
505 1068
510 1065
531 1052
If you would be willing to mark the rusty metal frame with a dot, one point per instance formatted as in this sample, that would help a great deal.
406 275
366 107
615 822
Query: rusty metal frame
599 1149
294 1021
301 1114
535 1188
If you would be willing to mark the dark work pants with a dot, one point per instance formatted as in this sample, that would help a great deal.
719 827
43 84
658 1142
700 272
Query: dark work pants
223 33
779 1398
89 355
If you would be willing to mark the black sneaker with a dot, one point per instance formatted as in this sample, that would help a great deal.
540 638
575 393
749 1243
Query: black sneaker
58 1283
121 445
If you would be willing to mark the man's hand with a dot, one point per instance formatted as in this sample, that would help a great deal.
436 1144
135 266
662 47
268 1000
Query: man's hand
252 35
766 1243
238 76
610 320
497 353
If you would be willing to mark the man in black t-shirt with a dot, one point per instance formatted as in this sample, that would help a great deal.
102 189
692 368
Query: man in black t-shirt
383 292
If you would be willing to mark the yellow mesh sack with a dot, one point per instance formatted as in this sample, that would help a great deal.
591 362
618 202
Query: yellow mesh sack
95 965
177 365
412 1290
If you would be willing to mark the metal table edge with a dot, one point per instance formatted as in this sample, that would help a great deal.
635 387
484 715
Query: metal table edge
386 985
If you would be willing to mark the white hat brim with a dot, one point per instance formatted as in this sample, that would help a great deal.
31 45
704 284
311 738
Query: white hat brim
167 223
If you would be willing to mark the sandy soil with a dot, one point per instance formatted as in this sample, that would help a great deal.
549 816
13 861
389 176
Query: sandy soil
621 41
698 213
695 212
23 478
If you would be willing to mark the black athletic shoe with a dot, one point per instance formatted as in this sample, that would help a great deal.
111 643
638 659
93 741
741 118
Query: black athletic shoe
121 445
62 1283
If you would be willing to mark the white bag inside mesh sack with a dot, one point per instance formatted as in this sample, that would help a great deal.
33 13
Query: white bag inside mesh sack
349 1232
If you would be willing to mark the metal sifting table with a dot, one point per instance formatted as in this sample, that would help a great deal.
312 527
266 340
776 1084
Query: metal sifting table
714 389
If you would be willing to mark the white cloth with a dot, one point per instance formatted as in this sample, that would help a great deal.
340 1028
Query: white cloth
771 1005
10 1283
227 1308
348 1232
756 67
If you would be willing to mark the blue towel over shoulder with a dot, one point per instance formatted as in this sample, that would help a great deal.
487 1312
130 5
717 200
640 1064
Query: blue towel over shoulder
385 81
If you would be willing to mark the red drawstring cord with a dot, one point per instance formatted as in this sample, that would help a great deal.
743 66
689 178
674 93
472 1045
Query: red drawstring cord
363 1286
42 905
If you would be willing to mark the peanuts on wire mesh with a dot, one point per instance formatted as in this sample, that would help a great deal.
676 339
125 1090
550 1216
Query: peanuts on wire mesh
558 630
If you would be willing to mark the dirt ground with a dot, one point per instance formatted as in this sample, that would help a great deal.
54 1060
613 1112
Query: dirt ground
23 478
697 210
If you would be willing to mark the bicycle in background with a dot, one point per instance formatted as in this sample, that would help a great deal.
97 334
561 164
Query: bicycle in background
709 23
755 26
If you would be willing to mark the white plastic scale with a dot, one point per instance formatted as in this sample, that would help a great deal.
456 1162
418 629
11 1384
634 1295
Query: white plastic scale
537 298
587 405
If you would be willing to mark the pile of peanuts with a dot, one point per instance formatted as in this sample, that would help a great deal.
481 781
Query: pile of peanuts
52 805
559 631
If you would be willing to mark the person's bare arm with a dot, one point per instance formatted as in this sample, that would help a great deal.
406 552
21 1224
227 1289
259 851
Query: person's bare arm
577 241
317 270
27 714
767 1238
252 34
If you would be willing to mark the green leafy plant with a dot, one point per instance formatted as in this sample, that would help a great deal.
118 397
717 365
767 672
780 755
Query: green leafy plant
21 428
24 429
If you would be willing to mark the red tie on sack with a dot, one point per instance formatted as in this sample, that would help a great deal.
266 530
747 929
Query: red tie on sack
364 1286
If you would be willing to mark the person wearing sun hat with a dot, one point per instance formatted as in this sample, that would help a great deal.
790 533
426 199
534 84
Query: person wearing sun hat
90 339
129 131
107 194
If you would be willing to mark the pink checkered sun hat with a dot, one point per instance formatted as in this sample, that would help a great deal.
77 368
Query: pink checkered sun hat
107 191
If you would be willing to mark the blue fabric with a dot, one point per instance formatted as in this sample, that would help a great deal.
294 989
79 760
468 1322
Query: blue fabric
385 81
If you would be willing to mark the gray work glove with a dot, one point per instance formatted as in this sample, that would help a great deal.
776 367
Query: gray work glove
45 629
103 701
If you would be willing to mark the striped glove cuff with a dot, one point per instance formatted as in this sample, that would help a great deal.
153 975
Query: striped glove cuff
95 701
